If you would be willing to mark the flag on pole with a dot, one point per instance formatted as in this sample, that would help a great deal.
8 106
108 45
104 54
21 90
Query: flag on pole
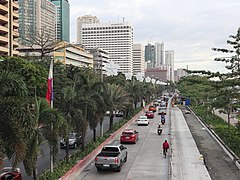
49 94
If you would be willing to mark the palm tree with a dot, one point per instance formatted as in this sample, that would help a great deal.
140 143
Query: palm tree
118 99
40 115
14 116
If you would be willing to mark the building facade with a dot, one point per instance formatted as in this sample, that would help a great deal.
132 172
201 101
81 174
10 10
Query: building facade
65 53
159 54
88 19
46 18
150 55
27 20
161 73
169 60
100 59
9 27
63 19
138 59
116 38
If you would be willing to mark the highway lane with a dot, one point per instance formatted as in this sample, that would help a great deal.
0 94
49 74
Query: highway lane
145 158
43 162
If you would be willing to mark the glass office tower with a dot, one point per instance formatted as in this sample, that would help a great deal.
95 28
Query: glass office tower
63 19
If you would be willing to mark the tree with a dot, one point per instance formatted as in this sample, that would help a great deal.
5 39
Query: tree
14 116
118 99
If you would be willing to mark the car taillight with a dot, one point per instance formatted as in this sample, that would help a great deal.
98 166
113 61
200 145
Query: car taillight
132 136
96 159
116 160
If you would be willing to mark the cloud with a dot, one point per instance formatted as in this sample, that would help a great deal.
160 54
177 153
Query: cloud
189 27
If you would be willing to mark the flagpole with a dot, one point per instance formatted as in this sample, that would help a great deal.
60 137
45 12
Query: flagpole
51 105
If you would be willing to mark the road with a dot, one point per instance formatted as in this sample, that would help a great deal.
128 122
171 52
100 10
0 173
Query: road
43 159
145 158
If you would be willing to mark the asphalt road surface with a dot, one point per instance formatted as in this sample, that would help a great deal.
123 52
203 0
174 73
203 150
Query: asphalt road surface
43 162
219 165
145 158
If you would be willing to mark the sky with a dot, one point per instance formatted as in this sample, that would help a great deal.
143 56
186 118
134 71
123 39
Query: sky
189 27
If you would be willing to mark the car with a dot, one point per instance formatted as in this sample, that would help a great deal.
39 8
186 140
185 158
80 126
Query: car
152 108
112 156
155 103
10 173
119 114
162 110
143 120
149 114
74 141
107 113
129 136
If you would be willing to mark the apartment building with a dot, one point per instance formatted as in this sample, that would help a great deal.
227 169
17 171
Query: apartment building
8 27
138 59
116 38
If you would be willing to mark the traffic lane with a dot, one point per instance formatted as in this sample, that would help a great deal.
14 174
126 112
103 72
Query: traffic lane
43 162
145 158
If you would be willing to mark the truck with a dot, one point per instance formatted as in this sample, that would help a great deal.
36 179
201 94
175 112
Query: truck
112 156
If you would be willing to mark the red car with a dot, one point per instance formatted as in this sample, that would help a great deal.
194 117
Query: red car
149 114
152 108
129 136
9 173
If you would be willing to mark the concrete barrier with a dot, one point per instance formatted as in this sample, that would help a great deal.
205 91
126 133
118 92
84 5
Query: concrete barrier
73 173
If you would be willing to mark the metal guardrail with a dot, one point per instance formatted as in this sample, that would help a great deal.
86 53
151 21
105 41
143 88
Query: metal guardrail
226 149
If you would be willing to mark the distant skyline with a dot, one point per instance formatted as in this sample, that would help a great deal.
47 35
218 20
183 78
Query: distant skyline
189 27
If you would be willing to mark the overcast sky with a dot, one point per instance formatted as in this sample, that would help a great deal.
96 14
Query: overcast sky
189 27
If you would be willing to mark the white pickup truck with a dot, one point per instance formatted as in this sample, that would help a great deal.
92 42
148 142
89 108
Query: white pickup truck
112 156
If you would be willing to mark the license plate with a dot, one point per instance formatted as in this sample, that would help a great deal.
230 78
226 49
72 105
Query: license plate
127 137
106 165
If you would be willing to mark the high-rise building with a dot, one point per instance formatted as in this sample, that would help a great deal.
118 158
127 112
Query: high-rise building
63 19
169 60
116 38
159 54
46 18
8 27
150 55
138 59
87 19
27 20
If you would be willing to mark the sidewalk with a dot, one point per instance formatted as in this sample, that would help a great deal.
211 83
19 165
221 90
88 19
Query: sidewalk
187 163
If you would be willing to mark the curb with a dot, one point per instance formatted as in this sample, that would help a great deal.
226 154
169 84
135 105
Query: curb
226 149
73 173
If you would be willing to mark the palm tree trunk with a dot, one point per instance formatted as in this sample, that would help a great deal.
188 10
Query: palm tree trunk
228 117
94 134
101 127
35 174
111 121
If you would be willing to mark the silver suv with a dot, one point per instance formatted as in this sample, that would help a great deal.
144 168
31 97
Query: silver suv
74 141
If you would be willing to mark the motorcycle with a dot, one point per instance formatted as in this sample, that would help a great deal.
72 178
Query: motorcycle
159 131
163 121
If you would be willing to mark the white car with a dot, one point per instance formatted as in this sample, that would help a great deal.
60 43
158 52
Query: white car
143 120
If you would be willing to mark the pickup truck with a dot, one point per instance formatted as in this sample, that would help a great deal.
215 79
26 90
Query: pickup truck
112 156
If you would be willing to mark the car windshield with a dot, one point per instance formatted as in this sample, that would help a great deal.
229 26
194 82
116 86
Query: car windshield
142 117
114 149
72 136
127 133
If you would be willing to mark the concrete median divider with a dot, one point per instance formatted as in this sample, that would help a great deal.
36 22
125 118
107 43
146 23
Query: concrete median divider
73 173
